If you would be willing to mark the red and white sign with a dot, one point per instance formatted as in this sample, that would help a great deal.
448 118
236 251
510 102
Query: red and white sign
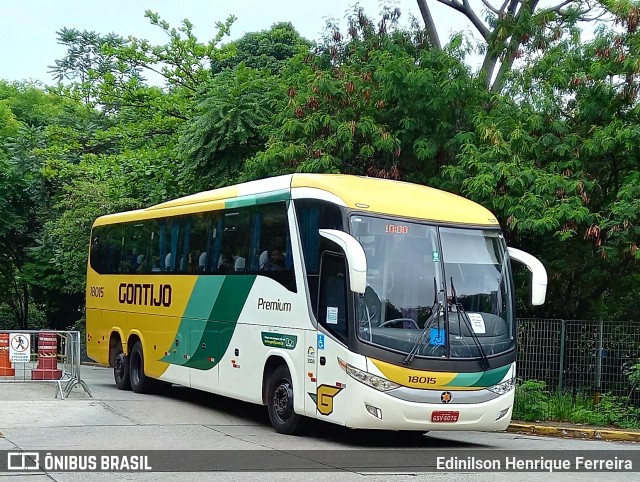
19 348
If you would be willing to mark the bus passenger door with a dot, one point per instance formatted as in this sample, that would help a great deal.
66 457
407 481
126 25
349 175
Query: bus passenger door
332 338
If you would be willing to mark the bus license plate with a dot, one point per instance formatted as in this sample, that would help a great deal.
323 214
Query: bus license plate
444 416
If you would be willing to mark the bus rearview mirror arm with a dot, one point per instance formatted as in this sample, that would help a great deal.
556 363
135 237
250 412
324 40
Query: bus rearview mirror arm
538 274
356 258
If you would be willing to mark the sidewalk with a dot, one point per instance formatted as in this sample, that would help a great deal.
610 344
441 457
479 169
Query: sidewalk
555 429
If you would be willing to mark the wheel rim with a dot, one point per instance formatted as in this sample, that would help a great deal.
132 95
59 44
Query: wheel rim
283 400
119 366
135 368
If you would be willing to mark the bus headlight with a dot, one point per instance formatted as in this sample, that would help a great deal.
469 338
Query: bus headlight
374 381
504 387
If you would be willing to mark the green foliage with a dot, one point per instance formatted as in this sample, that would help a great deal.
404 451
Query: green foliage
373 102
268 49
183 61
533 403
89 63
66 238
550 147
228 126
634 374
556 161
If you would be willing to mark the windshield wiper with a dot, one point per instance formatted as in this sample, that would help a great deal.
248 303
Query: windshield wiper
483 356
436 306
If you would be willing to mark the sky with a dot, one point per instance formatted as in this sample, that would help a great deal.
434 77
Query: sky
28 27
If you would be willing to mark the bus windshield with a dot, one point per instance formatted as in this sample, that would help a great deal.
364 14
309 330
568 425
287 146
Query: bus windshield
434 291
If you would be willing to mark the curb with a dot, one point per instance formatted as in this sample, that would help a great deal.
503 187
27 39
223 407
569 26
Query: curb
575 432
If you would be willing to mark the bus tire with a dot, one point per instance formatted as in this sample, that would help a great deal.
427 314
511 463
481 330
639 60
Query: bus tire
121 369
140 383
280 403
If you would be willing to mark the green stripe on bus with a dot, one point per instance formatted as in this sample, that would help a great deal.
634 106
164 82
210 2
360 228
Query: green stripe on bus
465 379
253 199
194 319
492 377
222 321
479 379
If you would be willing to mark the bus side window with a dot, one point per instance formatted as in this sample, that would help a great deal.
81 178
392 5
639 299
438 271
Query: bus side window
236 232
270 253
332 300
312 216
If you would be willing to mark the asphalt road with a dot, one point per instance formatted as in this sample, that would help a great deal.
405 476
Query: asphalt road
180 418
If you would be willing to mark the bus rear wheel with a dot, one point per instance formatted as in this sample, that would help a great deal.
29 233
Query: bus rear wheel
280 403
140 383
121 370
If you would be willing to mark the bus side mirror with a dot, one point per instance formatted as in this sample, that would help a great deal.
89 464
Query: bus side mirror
538 274
356 259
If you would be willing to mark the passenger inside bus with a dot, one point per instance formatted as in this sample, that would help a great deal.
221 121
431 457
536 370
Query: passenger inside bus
275 262
202 262
192 263
226 264
239 264
264 259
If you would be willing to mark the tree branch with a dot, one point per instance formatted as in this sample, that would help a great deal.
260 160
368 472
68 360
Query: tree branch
504 6
488 66
169 78
504 68
429 24
468 12
511 48
491 7
558 7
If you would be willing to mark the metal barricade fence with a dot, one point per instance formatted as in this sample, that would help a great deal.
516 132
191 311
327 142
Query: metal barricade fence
42 355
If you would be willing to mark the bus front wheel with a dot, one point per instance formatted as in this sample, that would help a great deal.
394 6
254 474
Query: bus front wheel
139 381
280 403
121 370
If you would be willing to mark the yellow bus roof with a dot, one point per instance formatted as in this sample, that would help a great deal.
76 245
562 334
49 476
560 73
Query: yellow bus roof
398 198
367 194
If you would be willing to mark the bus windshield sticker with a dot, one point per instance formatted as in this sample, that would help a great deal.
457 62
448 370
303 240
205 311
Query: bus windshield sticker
332 315
435 257
320 341
436 337
477 322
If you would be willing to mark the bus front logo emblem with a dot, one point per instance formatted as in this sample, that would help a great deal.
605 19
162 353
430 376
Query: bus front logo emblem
323 398
446 397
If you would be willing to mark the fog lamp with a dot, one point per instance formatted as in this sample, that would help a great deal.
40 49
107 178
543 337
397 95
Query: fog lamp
502 413
375 411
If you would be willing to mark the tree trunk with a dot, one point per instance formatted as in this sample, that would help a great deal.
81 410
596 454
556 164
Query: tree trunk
429 25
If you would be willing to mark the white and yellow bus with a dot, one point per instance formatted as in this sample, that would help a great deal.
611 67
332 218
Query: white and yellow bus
365 302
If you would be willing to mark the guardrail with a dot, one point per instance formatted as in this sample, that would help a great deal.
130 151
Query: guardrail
42 355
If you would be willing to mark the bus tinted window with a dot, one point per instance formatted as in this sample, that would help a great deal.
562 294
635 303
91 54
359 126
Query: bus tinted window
314 215
250 240
271 254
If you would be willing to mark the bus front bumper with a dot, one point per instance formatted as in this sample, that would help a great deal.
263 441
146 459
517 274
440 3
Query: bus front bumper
371 409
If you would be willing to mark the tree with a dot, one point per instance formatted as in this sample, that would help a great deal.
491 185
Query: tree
27 111
268 49
228 127
89 63
560 166
377 101
512 24
15 233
